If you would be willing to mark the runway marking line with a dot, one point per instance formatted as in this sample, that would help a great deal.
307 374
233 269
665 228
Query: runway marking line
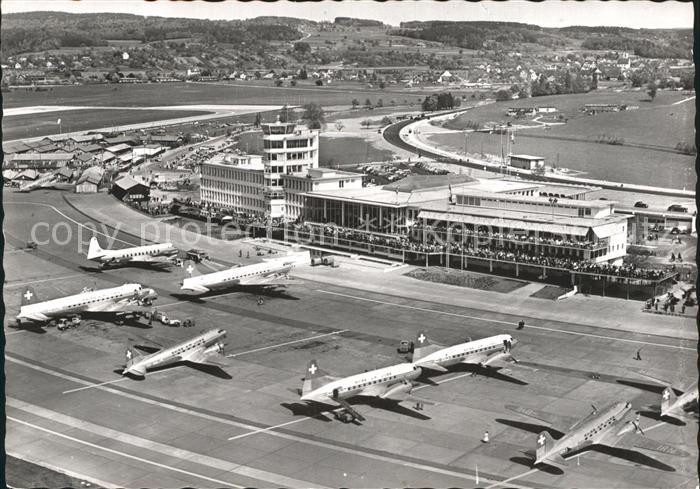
269 428
123 454
500 321
95 385
219 465
287 343
73 220
286 436
525 474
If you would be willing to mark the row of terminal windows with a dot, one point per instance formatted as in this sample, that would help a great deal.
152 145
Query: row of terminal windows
297 143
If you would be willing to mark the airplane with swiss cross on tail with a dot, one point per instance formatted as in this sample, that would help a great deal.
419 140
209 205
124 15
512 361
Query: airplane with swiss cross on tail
122 299
269 273
162 253
389 383
492 352
202 349
601 428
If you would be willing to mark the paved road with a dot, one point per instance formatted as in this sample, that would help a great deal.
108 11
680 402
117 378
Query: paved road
393 135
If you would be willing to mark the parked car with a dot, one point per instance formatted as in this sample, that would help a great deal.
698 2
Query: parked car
405 346
677 208
197 255
641 204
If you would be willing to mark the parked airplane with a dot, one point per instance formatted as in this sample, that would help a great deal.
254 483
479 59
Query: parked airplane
493 351
606 427
677 407
124 298
157 253
48 180
200 349
267 273
390 383
674 403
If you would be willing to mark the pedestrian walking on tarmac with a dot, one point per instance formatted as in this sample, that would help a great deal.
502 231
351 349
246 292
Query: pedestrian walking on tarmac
656 304
505 346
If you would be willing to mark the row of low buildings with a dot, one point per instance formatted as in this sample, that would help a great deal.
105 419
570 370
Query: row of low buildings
54 157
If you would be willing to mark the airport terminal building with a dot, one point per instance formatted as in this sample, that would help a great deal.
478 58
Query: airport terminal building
528 218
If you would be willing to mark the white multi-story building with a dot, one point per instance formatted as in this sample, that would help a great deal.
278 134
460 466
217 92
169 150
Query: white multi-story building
286 150
234 181
315 179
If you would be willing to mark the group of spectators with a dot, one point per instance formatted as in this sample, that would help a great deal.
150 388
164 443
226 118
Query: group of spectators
541 257
463 233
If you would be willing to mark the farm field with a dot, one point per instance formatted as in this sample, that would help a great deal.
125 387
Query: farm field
333 150
569 105
349 150
659 124
601 161
43 124
155 94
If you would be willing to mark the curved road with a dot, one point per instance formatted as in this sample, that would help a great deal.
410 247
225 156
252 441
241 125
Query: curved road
393 136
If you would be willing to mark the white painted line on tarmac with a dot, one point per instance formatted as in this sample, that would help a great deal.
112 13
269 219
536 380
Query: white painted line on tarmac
269 428
684 100
287 343
126 455
63 277
8 333
95 385
499 321
286 436
531 471
94 231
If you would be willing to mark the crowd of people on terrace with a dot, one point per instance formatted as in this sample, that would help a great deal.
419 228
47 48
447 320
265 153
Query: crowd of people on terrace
407 243
457 233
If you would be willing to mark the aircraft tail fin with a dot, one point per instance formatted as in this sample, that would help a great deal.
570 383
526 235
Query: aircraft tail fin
314 378
544 445
132 356
29 296
422 346
668 397
190 269
95 250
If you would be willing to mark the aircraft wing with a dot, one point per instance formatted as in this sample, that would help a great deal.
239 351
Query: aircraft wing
635 440
558 421
498 360
431 366
200 355
35 316
124 305
272 279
